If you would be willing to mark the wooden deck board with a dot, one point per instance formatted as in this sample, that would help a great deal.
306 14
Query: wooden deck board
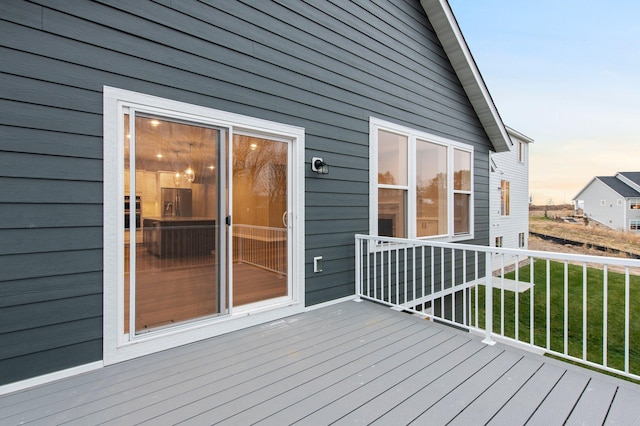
430 392
525 401
594 404
496 394
61 390
346 363
222 405
133 375
625 408
452 404
372 376
253 406
334 410
561 400
211 377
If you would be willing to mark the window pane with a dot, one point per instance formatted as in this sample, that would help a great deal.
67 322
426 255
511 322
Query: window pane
504 198
260 237
461 213
392 213
431 189
392 158
462 172
174 227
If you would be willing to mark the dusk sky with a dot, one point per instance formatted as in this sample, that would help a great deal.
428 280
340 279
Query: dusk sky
566 74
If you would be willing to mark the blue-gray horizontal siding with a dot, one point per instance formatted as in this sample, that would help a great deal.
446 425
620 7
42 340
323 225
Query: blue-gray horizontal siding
326 66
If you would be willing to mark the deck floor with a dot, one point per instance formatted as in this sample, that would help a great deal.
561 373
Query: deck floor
349 363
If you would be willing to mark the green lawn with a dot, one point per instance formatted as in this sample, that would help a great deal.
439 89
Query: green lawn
595 294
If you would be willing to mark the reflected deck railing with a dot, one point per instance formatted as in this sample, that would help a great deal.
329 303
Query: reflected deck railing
261 246
584 309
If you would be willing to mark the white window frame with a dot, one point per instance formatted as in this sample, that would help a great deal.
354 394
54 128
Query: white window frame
116 345
634 204
634 225
413 135
521 152
505 198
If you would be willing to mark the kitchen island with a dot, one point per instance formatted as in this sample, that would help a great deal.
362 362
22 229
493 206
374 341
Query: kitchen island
174 236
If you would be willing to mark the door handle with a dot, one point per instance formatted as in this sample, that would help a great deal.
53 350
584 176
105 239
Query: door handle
285 220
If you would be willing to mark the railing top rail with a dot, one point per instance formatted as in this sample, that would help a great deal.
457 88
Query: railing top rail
617 261
258 227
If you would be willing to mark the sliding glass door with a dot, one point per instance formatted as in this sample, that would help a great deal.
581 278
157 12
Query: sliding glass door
260 182
209 230
173 270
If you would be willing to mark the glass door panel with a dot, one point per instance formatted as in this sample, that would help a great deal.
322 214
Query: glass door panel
260 179
172 260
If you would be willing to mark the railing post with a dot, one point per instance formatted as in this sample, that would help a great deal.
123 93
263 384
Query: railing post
488 299
358 270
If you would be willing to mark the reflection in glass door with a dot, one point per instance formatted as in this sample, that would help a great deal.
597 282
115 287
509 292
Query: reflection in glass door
173 270
260 180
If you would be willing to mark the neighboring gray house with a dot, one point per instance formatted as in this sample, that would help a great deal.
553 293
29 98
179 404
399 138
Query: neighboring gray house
175 170
613 201
509 194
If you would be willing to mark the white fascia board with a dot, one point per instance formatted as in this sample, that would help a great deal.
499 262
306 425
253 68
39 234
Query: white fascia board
575 198
452 40
518 135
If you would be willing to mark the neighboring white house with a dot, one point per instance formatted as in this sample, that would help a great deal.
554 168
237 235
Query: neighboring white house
509 194
613 201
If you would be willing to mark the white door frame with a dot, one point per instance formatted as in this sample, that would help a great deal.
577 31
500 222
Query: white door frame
119 347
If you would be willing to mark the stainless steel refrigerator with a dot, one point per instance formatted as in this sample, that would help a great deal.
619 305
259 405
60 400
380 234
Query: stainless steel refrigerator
176 202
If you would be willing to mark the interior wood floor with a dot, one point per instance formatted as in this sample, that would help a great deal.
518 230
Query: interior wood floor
171 291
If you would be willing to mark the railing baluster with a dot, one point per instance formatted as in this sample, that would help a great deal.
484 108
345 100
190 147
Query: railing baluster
566 308
584 310
501 295
605 316
422 282
475 288
532 301
433 279
413 277
359 283
368 266
548 308
406 273
453 285
626 319
517 336
397 251
442 282
488 299
464 291
375 272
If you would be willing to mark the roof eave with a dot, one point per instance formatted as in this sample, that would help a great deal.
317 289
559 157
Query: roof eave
518 135
457 50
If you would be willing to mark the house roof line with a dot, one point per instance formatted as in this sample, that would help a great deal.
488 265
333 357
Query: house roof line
616 185
446 27
517 134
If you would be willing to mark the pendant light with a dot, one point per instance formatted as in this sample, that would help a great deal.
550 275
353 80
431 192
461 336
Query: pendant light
189 174
177 177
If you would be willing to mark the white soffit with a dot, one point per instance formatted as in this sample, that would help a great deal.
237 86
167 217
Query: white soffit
452 40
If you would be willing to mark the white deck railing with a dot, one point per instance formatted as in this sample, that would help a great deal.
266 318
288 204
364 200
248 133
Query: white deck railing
581 308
